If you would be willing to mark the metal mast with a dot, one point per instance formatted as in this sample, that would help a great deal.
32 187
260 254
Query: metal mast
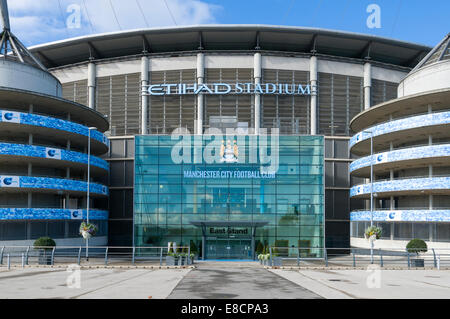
10 46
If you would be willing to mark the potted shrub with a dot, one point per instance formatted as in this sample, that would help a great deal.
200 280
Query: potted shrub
260 258
182 256
277 260
266 259
45 245
171 257
194 251
259 249
417 246
373 233
88 230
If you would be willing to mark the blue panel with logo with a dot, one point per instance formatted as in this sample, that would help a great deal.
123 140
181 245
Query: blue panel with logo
400 125
51 153
51 183
50 214
410 184
402 155
402 216
50 122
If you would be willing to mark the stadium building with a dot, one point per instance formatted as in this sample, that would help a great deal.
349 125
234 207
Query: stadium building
44 154
308 83
410 161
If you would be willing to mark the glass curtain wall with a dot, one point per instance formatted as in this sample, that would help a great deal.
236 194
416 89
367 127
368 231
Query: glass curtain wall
171 199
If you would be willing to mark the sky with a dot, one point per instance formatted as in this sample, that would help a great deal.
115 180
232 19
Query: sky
417 21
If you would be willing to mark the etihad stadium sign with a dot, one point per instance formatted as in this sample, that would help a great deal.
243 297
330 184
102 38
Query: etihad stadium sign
224 88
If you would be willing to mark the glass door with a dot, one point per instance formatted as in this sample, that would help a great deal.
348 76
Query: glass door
229 249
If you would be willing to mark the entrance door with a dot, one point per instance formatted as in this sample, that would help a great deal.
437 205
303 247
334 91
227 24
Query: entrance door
228 249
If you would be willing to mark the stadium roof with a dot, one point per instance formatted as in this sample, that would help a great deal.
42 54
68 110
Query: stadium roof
230 38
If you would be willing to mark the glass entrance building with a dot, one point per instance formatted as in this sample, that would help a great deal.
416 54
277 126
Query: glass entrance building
226 194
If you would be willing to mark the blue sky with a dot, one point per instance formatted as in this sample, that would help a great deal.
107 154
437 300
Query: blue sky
40 21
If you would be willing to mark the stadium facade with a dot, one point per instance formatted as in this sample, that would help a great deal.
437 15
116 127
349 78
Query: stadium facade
410 158
308 83
43 153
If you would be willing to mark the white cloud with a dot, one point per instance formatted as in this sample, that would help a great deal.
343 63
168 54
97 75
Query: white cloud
39 21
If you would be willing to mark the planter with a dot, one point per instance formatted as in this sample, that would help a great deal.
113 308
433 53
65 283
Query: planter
277 261
418 263
86 235
171 261
45 257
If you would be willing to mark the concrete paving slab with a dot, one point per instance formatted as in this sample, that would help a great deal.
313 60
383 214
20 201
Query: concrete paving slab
43 283
378 284
237 280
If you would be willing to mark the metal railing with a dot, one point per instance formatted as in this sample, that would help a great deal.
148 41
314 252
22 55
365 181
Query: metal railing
355 258
97 255
308 257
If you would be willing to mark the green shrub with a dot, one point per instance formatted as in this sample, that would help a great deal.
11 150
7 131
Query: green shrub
44 242
259 248
416 246
193 246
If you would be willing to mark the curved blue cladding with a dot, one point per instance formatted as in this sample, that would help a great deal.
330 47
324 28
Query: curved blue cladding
401 125
51 183
50 214
410 184
50 122
402 155
51 153
402 216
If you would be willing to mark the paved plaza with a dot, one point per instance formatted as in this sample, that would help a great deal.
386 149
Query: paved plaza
237 280
221 280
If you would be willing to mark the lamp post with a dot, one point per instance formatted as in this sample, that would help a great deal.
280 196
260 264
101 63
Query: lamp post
88 187
371 190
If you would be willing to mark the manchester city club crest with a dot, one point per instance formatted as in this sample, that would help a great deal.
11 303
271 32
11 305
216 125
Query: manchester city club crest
229 154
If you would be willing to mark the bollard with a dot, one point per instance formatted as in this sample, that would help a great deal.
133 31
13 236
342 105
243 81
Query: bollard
409 262
106 256
354 260
270 252
53 256
381 258
434 258
298 257
160 257
79 257
9 262
439 262
132 257
1 255
27 253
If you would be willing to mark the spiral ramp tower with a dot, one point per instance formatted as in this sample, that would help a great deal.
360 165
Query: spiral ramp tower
44 153
410 161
